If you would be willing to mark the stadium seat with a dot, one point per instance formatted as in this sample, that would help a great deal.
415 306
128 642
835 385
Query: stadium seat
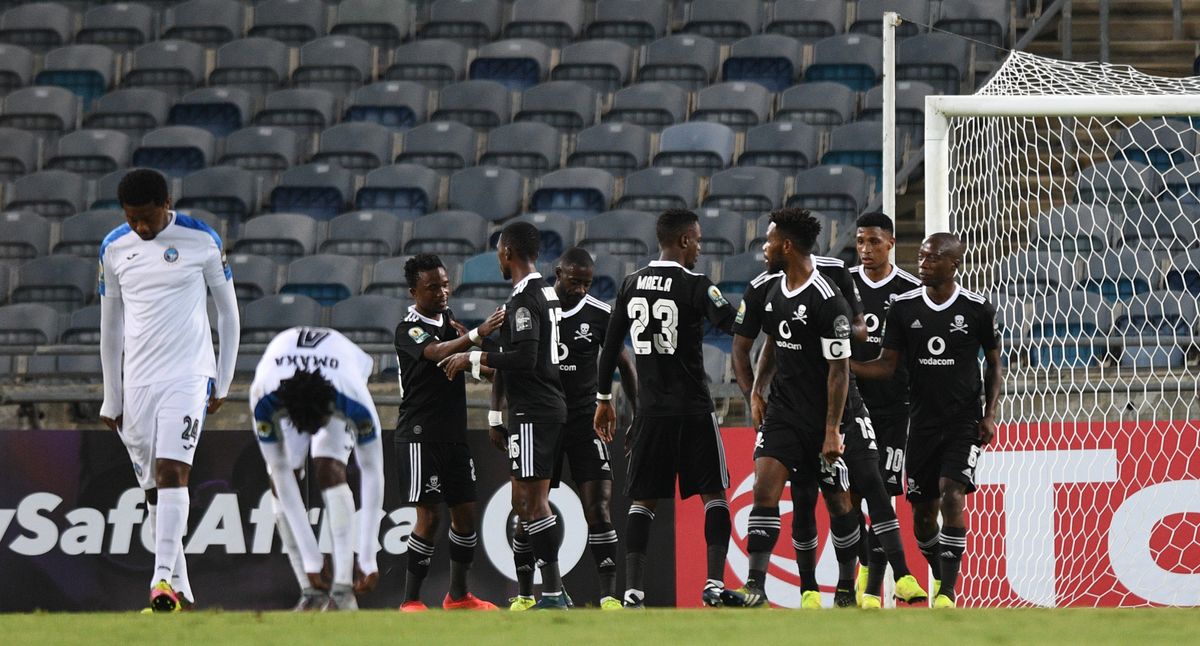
914 15
1183 272
399 105
566 105
306 111
253 276
16 68
1118 182
736 104
1066 332
854 60
658 189
62 282
824 238
627 234
325 278
604 65
553 22
283 237
910 109
716 364
483 105
807 20
576 192
433 63
470 22
482 279
262 149
1013 321
634 22
387 279
530 148
858 144
723 233
737 271
1161 143
176 150
1037 272
820 103
23 236
688 61
318 189
609 273
1158 328
1182 183
557 233
368 235
383 23
19 153
81 234
257 65
837 191
619 148
28 324
724 20
338 64
215 223
786 146
293 22
935 58
47 112
472 312
650 105
210 23
770 60
357 147
219 110
494 193
268 316
368 318
83 327
86 70
37 26
1074 228
980 20
105 196
450 234
401 190
1170 228
705 148
133 111
230 193
172 66
444 146
49 193
1121 274
746 190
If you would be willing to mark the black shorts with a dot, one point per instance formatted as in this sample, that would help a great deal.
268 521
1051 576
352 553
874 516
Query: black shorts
685 445
586 453
533 449
946 452
435 472
800 452
892 435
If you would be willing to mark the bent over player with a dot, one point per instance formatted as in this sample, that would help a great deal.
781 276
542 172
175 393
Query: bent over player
309 395
160 375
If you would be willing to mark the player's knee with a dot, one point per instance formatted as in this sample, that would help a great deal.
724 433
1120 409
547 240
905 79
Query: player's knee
462 518
170 474
839 504
953 501
429 517
330 472
596 512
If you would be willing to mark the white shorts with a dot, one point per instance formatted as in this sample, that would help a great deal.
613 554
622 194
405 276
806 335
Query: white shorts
163 421
334 441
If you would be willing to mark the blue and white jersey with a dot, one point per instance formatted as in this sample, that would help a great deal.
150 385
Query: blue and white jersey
163 287
339 360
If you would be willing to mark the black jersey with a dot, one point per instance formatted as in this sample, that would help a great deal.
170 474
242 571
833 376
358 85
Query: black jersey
663 307
941 344
884 397
432 408
581 332
532 313
834 271
810 326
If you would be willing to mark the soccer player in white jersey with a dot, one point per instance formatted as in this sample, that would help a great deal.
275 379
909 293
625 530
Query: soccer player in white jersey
309 394
160 374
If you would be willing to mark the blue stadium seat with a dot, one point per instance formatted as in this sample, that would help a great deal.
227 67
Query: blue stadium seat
293 22
482 278
820 103
626 234
1038 272
604 65
483 105
1074 228
318 190
854 60
724 20
1171 228
530 148
403 190
450 234
86 70
445 146
1182 183
688 61
172 66
433 63
746 190
858 144
1068 332
219 110
338 64
1118 182
652 105
91 153
786 146
576 192
705 148
399 105
619 148
553 22
495 193
133 111
122 27
23 236
607 276
771 60
807 20
210 23
176 150
1183 272
470 22
282 237
368 235
257 65
736 104
1121 274
383 23
369 318
357 147
634 22
658 189
19 153
1159 328
268 316
1161 143
325 278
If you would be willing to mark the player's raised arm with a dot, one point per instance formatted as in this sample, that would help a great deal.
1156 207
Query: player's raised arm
112 345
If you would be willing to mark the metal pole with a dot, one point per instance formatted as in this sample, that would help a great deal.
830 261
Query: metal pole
937 168
1177 20
891 20
1103 31
1066 30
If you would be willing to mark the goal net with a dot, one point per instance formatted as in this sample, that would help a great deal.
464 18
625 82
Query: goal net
1074 186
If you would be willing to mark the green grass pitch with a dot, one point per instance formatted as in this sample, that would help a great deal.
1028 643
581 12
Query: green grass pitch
761 627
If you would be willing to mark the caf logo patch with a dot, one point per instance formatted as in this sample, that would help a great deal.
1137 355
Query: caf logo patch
418 334
715 295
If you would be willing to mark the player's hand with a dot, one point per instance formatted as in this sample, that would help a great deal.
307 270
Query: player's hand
492 323
214 404
832 448
458 327
454 364
987 430
113 424
499 437
605 420
364 583
758 409
317 581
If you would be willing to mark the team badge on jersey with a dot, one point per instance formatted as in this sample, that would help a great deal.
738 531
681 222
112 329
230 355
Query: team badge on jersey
171 254
801 314
524 320
418 334
716 296
959 325
741 315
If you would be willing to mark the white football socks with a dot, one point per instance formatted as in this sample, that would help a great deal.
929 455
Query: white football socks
339 504
290 546
169 526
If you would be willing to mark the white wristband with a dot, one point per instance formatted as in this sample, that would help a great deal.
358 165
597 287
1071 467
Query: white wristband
495 418
476 356
603 397
475 337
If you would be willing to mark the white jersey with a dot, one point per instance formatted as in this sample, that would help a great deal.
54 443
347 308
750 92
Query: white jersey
340 361
163 287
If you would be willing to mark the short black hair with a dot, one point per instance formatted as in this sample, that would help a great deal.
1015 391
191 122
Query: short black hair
876 219
419 263
672 224
797 225
308 398
142 186
578 257
523 238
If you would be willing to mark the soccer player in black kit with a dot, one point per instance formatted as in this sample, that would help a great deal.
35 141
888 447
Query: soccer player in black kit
940 329
662 308
528 367
432 455
878 280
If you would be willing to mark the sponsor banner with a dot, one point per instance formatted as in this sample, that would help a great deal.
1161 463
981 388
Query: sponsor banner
72 530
